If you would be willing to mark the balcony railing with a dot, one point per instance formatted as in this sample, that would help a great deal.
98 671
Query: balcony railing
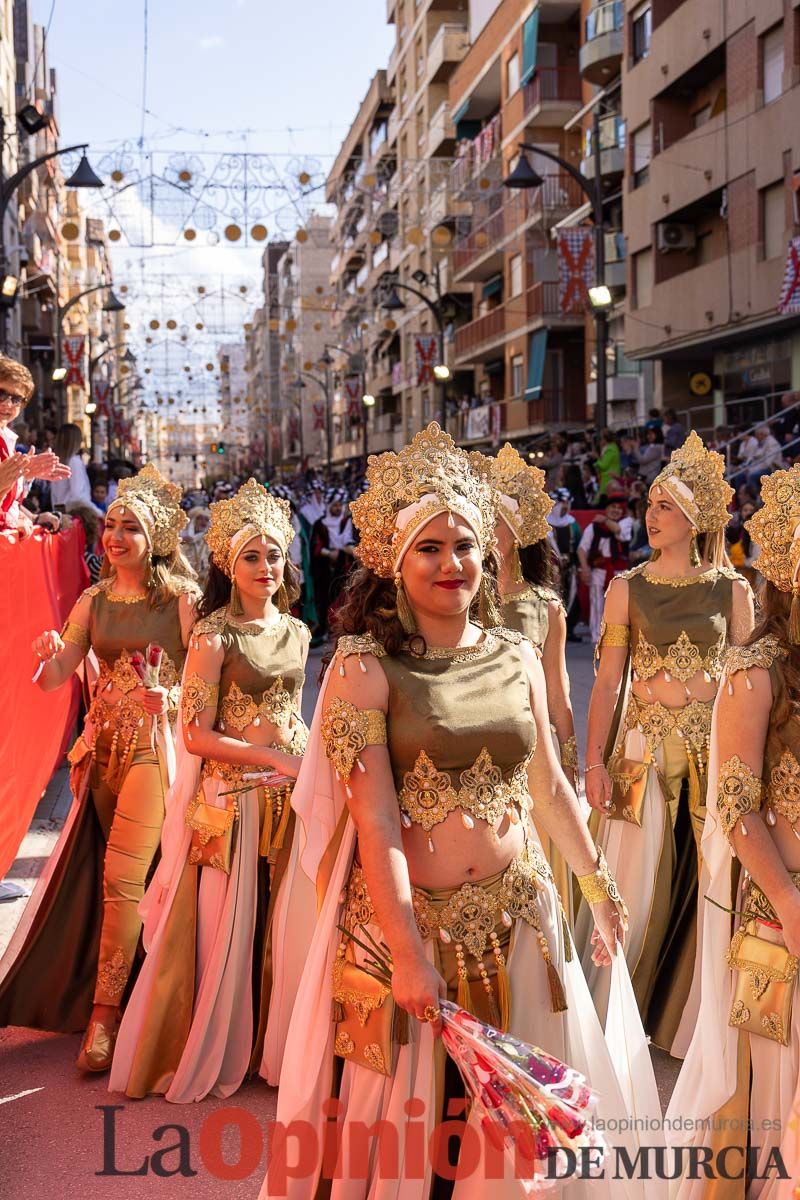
473 156
485 329
616 246
612 136
448 46
552 83
541 300
558 193
605 18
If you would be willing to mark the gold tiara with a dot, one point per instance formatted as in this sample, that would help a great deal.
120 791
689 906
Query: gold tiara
155 502
775 528
406 490
695 480
524 504
252 511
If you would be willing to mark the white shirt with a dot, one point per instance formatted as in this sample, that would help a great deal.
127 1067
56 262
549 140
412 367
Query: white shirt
76 489
604 544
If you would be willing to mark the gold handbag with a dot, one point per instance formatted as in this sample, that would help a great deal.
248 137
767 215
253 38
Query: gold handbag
364 1015
762 999
628 785
212 834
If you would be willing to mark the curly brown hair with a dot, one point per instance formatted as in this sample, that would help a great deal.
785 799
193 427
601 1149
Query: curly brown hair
776 607
369 605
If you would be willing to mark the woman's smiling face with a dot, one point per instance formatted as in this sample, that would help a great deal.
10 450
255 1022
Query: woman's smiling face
442 569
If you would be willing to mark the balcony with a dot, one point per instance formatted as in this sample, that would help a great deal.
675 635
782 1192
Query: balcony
480 335
441 132
604 42
445 51
480 339
393 127
476 156
616 249
554 95
612 148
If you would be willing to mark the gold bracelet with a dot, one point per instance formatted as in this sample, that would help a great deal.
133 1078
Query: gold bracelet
593 767
569 754
600 885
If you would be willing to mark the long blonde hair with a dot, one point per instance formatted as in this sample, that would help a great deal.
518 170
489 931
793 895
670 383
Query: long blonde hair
169 575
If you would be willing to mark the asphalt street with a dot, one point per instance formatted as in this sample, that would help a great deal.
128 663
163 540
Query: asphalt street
60 1134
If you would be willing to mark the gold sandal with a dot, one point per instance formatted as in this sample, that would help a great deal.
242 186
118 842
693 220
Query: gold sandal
97 1050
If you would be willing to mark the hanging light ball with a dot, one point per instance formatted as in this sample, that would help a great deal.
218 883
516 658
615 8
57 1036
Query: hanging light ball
114 235
290 325
185 176
302 235
189 234
117 176
317 326
304 178
258 233
201 290
154 324
243 289
199 325
209 366
233 233
171 324
319 289
70 231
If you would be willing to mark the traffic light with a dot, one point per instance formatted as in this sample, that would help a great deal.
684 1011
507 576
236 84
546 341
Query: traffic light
213 447
220 447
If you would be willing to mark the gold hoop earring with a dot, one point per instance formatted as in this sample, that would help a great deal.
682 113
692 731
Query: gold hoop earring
405 614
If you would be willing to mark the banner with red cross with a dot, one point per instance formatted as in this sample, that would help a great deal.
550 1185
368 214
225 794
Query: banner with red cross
425 355
102 391
352 390
575 268
73 353
319 416
790 292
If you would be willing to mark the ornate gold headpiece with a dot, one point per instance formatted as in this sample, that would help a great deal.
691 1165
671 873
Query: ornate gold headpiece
406 490
524 504
156 504
775 528
694 478
251 512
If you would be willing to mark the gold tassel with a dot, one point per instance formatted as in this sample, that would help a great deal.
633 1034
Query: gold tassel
694 551
337 1012
286 808
488 615
282 598
235 603
400 1026
567 937
266 828
494 1012
463 994
558 1001
794 618
504 994
404 612
516 566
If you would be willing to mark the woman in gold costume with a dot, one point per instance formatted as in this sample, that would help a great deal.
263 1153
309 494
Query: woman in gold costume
123 760
529 604
430 739
667 625
741 1071
200 1004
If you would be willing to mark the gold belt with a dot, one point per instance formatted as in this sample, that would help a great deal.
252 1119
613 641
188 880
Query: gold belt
692 723
468 916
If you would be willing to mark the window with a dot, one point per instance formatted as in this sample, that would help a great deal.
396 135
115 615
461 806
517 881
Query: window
642 152
773 215
517 374
772 63
515 276
512 74
643 277
641 31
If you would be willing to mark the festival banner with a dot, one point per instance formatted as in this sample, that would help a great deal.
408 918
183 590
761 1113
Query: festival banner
73 354
576 268
790 292
319 416
352 390
425 356
102 392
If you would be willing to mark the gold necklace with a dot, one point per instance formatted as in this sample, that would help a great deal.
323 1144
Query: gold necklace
125 598
680 580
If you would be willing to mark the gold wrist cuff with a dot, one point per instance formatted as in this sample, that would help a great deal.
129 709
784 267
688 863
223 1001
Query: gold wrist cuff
600 885
569 754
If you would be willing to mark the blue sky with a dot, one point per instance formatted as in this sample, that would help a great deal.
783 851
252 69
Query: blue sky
243 64
280 79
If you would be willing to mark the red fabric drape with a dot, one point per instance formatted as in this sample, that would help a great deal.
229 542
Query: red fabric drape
40 579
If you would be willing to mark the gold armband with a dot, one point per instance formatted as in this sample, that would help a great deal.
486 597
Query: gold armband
569 754
601 885
611 635
346 731
198 694
738 793
77 635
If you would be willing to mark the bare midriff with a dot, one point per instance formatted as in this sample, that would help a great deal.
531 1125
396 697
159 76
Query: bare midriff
461 855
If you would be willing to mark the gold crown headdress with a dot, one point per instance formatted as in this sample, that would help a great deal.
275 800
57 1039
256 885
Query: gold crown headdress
694 478
523 502
156 504
775 529
251 512
407 490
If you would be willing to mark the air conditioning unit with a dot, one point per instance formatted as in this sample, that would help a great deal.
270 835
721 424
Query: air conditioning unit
674 236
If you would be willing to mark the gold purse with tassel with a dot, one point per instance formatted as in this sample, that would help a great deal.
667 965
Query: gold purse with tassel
762 999
628 786
368 1022
212 834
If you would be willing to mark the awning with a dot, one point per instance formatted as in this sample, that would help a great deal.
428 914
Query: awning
537 348
492 287
530 37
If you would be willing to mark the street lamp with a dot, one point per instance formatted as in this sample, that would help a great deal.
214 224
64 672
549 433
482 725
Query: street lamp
525 176
394 303
325 385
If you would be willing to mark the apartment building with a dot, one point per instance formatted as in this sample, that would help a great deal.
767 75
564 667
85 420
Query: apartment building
519 82
711 102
